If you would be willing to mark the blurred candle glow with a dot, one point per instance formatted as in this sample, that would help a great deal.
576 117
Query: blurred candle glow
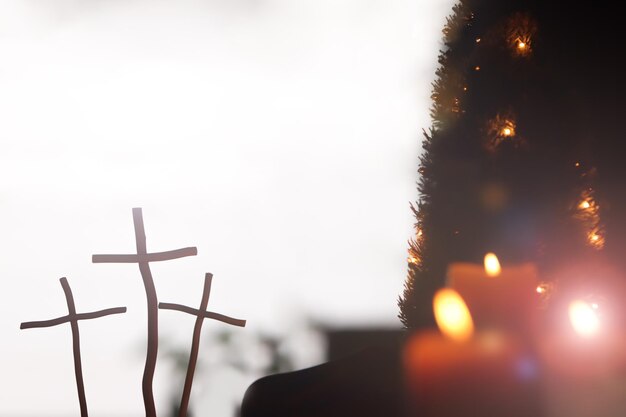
497 296
452 315
492 265
451 371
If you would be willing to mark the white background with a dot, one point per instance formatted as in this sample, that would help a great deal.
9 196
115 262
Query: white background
280 137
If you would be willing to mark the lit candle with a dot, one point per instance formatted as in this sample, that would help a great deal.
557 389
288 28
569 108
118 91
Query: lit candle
498 297
457 372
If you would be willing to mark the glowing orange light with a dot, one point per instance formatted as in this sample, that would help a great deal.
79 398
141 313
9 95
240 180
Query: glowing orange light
508 130
544 290
584 319
595 239
477 68
492 265
413 259
478 40
500 129
577 164
584 205
520 31
452 315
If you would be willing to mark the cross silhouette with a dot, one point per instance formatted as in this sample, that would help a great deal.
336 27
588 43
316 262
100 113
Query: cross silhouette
73 319
200 314
143 258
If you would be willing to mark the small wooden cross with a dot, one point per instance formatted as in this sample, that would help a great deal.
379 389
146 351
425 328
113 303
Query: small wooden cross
73 318
143 258
200 314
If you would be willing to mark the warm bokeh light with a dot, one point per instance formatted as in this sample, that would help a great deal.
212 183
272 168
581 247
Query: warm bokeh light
584 205
544 291
584 319
492 265
452 315
521 45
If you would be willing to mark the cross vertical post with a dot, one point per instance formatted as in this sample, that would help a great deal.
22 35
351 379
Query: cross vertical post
200 314
78 367
143 259
73 318
153 315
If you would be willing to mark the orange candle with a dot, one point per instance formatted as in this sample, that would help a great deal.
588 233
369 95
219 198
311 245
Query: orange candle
457 373
504 298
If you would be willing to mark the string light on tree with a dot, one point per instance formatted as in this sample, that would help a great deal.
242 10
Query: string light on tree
544 291
588 213
500 129
413 259
520 31
596 239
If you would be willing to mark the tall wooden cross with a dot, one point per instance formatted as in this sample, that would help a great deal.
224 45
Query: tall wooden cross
143 258
73 318
200 314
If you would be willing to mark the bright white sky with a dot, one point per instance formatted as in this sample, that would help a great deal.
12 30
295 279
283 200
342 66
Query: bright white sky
280 137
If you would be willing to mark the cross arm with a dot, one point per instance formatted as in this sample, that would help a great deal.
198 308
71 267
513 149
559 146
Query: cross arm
67 318
101 313
45 323
149 257
206 314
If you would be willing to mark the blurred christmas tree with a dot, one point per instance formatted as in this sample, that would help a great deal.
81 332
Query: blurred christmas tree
524 156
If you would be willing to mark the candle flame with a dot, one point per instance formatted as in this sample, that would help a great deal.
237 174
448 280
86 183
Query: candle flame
492 265
452 315
584 319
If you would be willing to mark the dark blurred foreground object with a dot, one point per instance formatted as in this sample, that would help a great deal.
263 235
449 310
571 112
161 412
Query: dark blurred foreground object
371 384
365 384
